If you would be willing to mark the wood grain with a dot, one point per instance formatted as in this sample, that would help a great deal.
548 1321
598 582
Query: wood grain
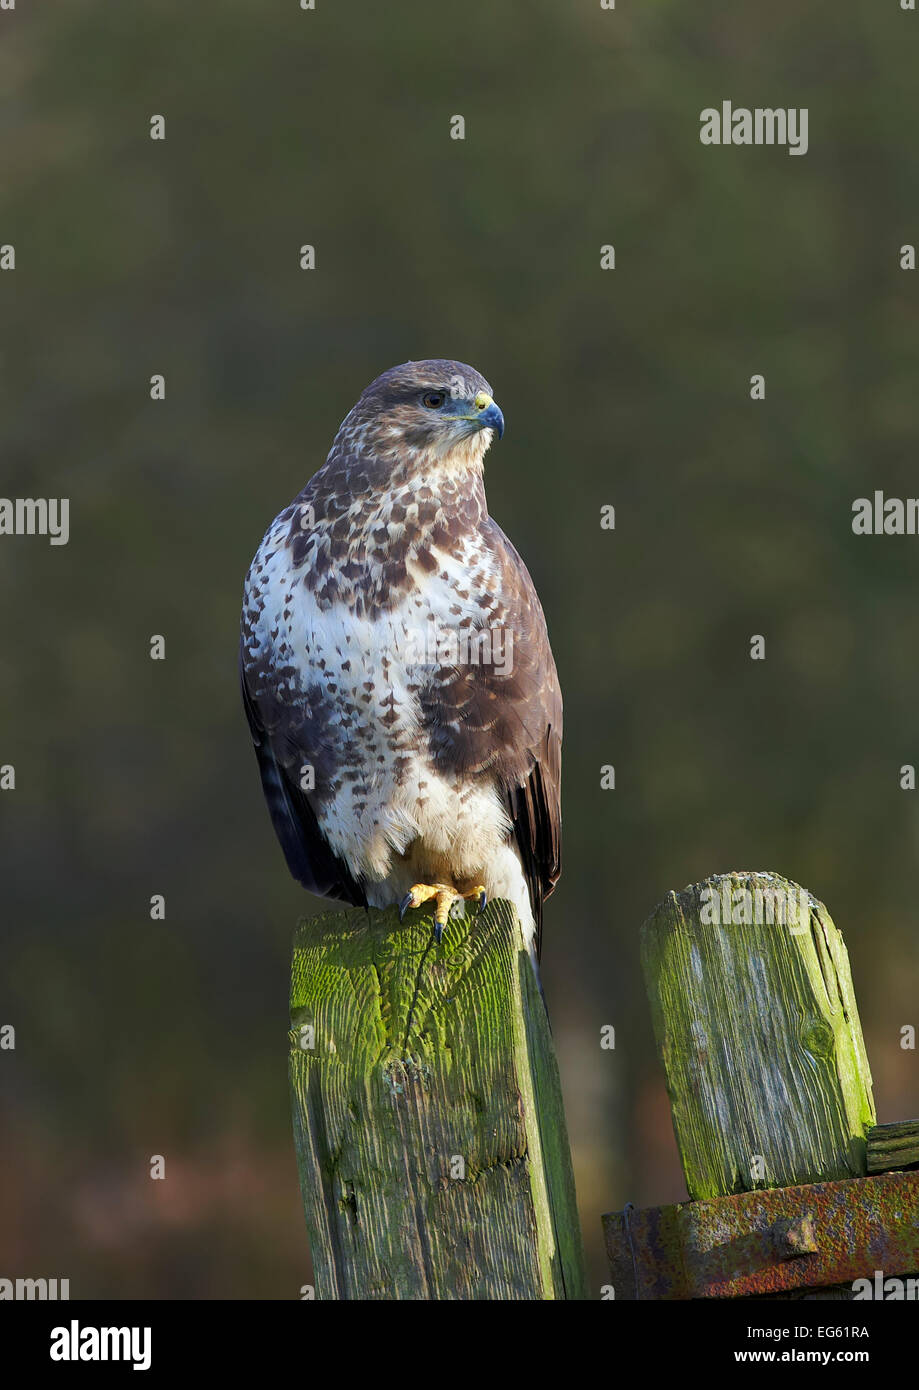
759 1034
428 1118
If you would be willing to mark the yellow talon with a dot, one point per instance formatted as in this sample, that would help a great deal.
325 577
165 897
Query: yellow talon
444 898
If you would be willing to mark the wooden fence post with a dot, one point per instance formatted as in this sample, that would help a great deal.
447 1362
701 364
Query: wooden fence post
428 1120
794 1189
759 1034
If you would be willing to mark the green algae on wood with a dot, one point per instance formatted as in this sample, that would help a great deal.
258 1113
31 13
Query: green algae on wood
757 1027
428 1119
893 1146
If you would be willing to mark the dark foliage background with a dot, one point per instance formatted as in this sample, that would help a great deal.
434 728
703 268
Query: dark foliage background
628 387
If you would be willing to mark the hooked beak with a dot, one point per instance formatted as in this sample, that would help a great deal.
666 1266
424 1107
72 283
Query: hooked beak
484 414
488 415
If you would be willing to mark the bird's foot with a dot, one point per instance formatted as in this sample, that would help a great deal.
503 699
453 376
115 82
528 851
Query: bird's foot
444 900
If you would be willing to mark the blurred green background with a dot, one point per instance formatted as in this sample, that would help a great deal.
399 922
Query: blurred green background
628 387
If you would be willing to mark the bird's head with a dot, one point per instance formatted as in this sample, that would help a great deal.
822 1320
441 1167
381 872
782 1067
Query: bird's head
438 409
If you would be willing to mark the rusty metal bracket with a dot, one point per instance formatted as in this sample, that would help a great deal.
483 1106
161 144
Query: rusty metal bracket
767 1242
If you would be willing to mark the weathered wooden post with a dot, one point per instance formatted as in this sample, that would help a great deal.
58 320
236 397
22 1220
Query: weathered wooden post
770 1091
428 1119
756 1024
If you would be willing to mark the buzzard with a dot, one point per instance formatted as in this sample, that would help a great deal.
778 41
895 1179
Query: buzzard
396 669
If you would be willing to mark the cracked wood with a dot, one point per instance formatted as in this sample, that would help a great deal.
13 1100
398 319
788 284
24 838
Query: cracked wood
758 1030
428 1118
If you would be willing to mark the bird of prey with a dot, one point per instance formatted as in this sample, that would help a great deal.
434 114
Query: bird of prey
396 669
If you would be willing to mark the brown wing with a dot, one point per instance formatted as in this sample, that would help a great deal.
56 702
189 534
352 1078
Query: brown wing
507 723
286 737
536 811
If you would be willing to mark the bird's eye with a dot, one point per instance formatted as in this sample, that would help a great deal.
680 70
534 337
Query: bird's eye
433 400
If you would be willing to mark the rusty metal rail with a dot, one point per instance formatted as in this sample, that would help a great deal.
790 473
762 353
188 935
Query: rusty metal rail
767 1242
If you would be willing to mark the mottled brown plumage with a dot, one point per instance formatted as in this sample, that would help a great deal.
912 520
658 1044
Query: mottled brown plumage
386 760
